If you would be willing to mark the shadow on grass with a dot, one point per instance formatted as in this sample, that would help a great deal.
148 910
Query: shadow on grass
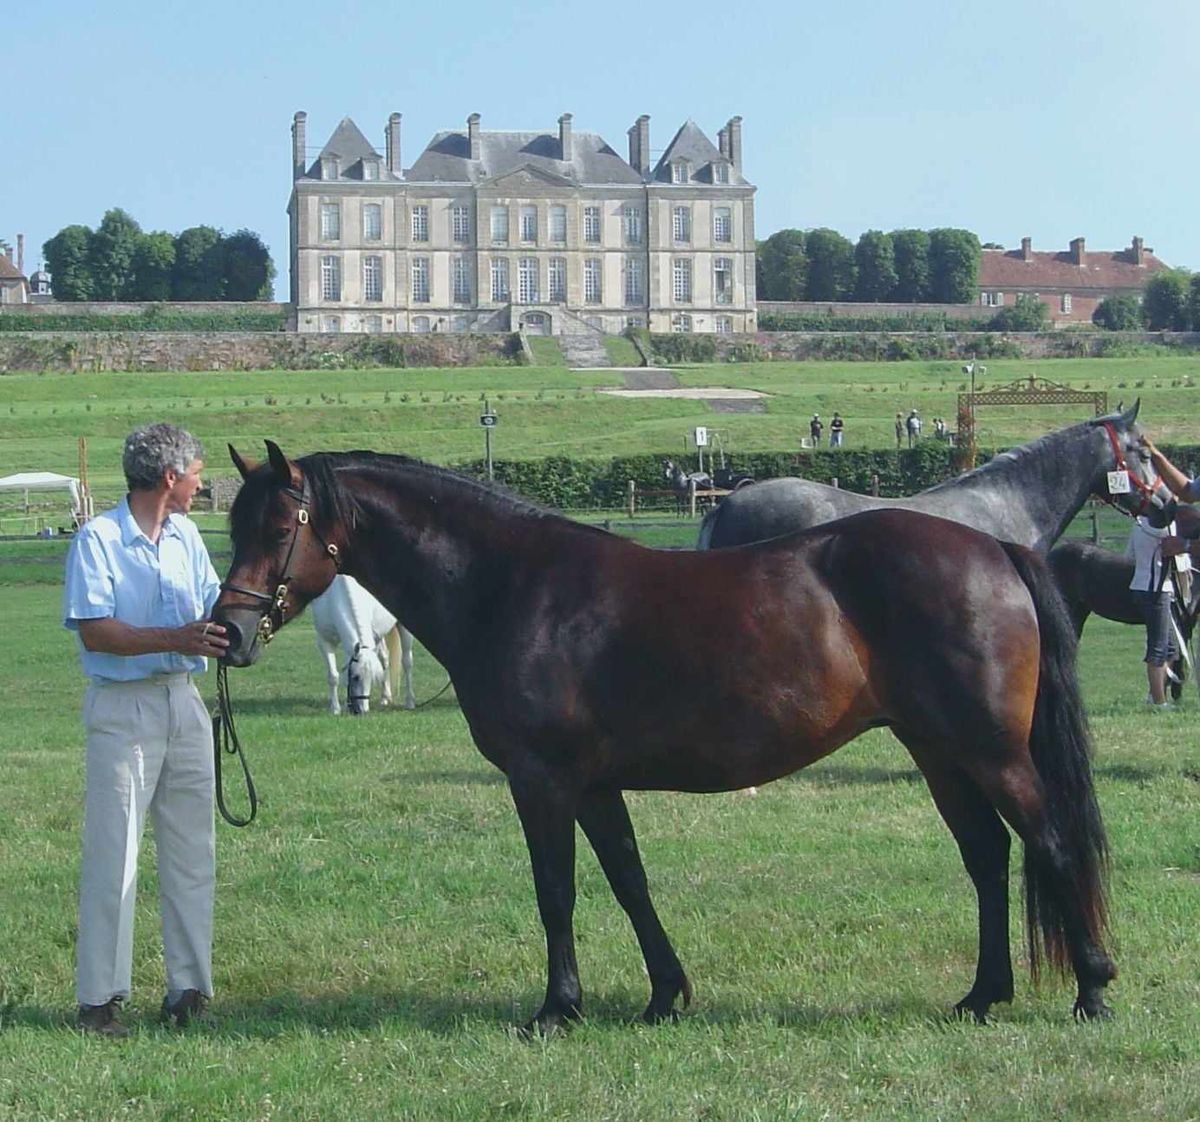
833 775
278 705
461 775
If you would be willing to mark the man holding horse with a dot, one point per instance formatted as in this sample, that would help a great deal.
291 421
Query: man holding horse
139 586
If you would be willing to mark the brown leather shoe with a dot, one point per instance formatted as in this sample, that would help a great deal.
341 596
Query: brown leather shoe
102 1019
191 1005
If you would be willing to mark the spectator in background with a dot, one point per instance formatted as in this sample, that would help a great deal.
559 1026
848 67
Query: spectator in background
815 428
899 429
913 424
836 428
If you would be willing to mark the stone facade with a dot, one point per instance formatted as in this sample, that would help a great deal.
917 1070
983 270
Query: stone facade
550 233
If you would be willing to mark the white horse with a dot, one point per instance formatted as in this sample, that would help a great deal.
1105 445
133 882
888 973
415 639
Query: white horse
376 646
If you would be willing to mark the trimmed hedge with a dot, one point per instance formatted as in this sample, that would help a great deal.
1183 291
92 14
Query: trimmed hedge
152 319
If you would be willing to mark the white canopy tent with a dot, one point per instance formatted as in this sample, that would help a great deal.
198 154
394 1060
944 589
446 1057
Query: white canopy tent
26 481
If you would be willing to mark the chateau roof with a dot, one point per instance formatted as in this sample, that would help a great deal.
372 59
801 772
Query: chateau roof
690 144
447 158
1106 269
9 271
350 147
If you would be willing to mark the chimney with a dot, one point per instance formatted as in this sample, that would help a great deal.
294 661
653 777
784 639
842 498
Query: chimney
21 254
1138 251
473 136
1077 251
723 142
564 137
393 144
298 165
733 141
639 145
1027 249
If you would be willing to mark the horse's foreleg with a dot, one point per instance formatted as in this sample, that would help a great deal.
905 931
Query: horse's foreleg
331 674
548 819
605 820
406 663
383 651
984 844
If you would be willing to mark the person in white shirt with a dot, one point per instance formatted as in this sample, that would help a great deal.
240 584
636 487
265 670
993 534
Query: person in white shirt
1153 591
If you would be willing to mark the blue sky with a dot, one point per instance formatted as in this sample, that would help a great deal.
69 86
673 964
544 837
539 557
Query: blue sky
1054 120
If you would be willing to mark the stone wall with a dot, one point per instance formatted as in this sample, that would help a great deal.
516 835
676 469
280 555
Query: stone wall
849 308
110 308
227 350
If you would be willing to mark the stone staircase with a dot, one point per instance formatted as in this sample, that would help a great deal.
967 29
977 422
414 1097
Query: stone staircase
583 349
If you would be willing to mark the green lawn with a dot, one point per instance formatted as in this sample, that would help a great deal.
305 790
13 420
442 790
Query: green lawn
376 932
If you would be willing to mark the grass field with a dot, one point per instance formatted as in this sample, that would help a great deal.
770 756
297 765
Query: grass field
543 410
377 934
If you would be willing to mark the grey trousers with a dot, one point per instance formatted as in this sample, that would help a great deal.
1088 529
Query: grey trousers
149 747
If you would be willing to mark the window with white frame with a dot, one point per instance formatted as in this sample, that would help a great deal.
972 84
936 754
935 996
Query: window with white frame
529 224
679 171
421 324
681 280
632 220
557 280
372 278
722 224
373 325
723 280
460 272
420 280
681 223
460 222
720 172
420 223
331 222
331 278
591 224
681 323
558 223
991 299
634 281
372 219
500 225
499 278
527 280
634 321
593 284
724 325
1065 303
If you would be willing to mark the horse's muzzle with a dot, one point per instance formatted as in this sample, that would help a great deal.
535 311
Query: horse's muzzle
241 629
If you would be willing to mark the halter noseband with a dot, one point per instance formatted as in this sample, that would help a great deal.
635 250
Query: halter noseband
1146 490
272 618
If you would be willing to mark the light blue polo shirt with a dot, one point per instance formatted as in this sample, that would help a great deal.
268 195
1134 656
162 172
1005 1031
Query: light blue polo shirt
114 570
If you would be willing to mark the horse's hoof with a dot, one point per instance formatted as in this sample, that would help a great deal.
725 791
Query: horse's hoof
1095 1010
545 1025
969 1011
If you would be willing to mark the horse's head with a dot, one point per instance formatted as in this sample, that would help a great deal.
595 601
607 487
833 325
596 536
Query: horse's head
1146 493
284 553
364 671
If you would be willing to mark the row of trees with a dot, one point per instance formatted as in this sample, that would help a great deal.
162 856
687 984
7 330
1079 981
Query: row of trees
120 261
1170 302
905 266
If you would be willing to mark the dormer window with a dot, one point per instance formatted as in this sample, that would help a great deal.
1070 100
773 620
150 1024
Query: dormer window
720 172
330 167
370 170
679 171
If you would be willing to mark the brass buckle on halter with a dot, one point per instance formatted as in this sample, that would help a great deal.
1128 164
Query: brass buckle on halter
266 632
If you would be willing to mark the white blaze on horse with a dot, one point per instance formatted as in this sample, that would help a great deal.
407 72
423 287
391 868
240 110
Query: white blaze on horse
346 615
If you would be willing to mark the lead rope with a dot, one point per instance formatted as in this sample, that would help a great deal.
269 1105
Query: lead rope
225 739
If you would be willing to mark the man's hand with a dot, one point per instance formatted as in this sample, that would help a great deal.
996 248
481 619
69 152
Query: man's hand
202 638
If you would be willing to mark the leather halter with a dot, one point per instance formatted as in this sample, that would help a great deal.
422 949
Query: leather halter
273 616
1146 490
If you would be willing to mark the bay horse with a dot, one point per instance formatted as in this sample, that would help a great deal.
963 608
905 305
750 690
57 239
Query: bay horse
1027 495
582 672
376 647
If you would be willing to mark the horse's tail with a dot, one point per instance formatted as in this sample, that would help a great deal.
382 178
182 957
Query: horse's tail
1060 745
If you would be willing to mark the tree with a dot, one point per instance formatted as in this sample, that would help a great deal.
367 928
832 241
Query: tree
830 265
875 267
153 263
784 266
110 254
199 265
910 252
1119 313
66 256
1027 314
1165 301
248 267
1193 304
953 266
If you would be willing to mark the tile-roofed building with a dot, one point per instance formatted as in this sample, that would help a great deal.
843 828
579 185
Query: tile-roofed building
14 287
1072 283
552 232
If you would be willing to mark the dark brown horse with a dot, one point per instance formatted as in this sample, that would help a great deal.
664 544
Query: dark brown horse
587 665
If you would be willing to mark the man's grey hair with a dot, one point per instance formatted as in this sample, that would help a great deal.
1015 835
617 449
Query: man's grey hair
150 450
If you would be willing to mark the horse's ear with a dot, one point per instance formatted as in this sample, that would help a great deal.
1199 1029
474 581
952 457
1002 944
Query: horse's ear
243 467
1130 415
281 465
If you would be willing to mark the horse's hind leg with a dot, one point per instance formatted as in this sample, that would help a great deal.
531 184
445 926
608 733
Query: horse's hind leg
406 664
331 674
605 820
984 844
